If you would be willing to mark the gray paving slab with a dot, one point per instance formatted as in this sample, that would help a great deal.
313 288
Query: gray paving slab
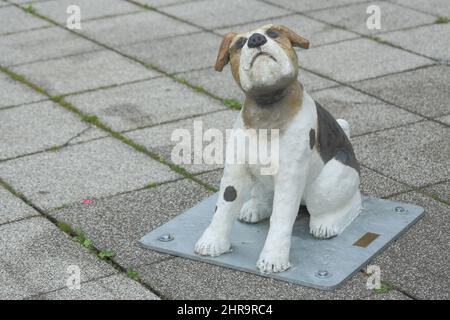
308 5
115 287
2 3
186 279
158 138
35 256
424 91
416 154
364 113
316 32
223 85
440 190
354 17
56 10
13 208
162 3
144 104
372 183
213 14
117 223
36 127
94 169
13 19
433 40
436 7
136 27
359 59
41 44
171 54
81 72
418 261
14 93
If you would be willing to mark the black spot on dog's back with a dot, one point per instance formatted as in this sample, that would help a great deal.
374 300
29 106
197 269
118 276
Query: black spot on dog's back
332 142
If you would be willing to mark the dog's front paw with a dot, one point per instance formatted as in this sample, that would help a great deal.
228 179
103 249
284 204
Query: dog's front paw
211 244
270 262
254 211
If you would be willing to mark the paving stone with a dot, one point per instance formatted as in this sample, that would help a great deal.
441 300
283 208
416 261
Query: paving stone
35 255
364 113
41 44
223 85
391 295
136 27
440 190
185 279
354 17
214 14
372 183
436 7
36 127
14 93
2 3
142 104
94 169
117 223
424 91
12 208
162 3
115 287
13 19
56 10
81 72
415 154
431 41
200 48
418 261
308 5
316 32
359 59
158 138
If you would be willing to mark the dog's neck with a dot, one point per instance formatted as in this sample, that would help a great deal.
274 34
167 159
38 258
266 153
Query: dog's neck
273 110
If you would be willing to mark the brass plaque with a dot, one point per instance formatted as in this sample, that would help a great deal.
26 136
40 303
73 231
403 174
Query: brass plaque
366 239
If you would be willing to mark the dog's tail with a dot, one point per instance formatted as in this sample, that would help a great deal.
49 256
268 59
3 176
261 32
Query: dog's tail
345 126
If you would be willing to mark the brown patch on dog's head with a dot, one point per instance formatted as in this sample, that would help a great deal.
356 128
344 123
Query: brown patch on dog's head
223 56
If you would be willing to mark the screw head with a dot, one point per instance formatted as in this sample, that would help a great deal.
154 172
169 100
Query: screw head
166 237
322 274
399 209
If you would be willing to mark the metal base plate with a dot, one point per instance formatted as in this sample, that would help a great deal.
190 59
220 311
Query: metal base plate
321 264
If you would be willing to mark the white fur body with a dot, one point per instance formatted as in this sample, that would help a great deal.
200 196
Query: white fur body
330 192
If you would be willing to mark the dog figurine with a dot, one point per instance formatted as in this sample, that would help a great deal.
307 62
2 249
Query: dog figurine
317 165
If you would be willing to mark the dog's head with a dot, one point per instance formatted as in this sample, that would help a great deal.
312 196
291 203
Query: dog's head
263 59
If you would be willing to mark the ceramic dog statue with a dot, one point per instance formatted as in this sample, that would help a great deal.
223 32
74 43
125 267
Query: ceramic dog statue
317 165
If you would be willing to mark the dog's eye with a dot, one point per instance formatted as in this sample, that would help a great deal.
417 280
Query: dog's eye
240 43
272 33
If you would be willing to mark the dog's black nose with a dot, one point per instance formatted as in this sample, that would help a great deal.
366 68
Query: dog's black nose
256 40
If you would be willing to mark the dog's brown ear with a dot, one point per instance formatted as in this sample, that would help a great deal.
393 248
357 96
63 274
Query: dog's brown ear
224 52
295 39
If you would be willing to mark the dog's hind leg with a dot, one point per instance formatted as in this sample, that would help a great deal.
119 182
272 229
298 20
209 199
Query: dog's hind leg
234 191
333 199
259 207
